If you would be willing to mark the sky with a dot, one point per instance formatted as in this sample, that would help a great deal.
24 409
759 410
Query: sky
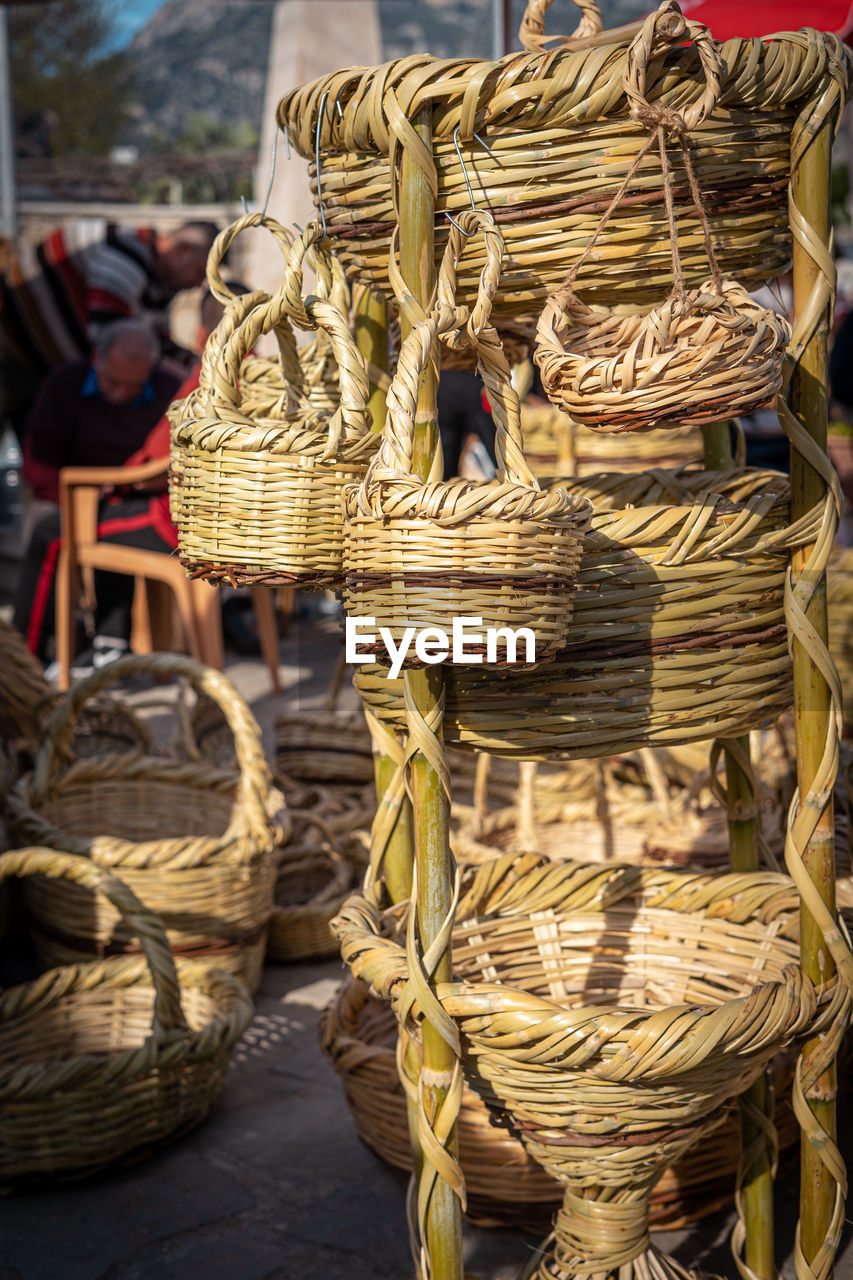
130 16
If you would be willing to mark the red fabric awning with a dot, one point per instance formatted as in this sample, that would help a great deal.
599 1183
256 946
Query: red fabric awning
727 18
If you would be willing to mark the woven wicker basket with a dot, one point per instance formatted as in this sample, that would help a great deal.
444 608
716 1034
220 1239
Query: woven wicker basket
554 446
23 688
609 1015
554 141
504 1186
678 632
312 883
324 747
196 844
423 553
257 499
105 1061
839 585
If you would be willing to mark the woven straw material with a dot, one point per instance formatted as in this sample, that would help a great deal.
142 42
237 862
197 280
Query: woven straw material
104 1061
609 1014
554 446
324 747
421 553
504 1185
23 688
197 844
257 499
677 635
560 141
312 883
714 355
839 586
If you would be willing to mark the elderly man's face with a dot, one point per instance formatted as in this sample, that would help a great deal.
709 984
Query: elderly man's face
122 373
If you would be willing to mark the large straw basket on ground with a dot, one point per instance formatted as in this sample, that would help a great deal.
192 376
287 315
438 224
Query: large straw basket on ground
195 843
609 1015
105 1061
257 499
554 446
326 746
546 139
678 631
23 688
422 553
313 879
504 1185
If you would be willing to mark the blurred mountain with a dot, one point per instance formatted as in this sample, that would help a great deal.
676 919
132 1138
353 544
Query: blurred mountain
201 64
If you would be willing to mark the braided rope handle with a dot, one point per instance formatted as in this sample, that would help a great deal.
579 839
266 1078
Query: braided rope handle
225 240
665 29
167 1017
531 33
255 785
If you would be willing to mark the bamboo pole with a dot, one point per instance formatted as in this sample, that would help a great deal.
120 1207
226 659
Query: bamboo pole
440 1206
752 1242
810 189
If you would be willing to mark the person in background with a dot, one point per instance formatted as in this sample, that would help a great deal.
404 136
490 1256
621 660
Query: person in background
56 296
91 414
97 413
462 411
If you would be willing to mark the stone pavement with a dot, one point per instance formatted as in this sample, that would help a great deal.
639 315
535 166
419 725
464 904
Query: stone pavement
276 1185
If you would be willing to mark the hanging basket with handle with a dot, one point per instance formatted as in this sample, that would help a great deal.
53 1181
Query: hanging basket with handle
257 500
545 139
106 1061
197 844
422 553
705 353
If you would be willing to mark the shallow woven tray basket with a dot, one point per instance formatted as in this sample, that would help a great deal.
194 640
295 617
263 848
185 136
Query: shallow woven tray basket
255 491
196 844
105 1061
504 1186
526 128
677 635
608 1015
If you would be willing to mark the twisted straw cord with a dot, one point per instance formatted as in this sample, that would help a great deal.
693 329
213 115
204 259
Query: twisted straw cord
250 830
531 33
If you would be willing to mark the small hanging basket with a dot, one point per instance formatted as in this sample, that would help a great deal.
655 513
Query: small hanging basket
706 353
421 553
257 500
197 844
106 1061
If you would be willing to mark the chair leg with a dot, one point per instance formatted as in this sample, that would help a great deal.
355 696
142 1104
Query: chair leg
263 600
141 640
162 607
64 624
207 616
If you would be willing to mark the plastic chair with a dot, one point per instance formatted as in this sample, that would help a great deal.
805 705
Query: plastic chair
160 579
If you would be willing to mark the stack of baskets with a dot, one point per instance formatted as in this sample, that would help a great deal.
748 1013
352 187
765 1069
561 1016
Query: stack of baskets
197 844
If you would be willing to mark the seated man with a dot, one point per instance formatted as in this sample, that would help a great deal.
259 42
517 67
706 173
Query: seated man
93 415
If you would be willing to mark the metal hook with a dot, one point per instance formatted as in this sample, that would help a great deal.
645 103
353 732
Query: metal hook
243 200
485 147
317 158
450 218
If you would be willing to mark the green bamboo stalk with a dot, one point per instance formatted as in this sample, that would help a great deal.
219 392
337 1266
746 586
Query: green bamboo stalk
431 804
811 695
757 1189
371 337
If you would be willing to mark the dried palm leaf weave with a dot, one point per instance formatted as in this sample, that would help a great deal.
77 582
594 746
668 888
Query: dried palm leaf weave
256 499
196 844
545 141
555 446
608 1014
107 1060
702 354
23 688
677 635
420 553
312 883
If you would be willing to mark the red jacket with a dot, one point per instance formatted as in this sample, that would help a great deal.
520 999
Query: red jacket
157 446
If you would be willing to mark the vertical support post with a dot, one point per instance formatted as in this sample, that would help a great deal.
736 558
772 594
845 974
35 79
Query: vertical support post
439 1205
8 213
812 702
752 1240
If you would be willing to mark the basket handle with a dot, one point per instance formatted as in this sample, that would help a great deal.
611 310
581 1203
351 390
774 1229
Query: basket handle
167 1017
531 33
458 326
255 781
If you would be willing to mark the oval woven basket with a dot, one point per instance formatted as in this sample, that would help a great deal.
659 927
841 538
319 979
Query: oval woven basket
195 843
554 446
312 883
106 1061
546 139
504 1186
422 553
609 1015
678 631
257 499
